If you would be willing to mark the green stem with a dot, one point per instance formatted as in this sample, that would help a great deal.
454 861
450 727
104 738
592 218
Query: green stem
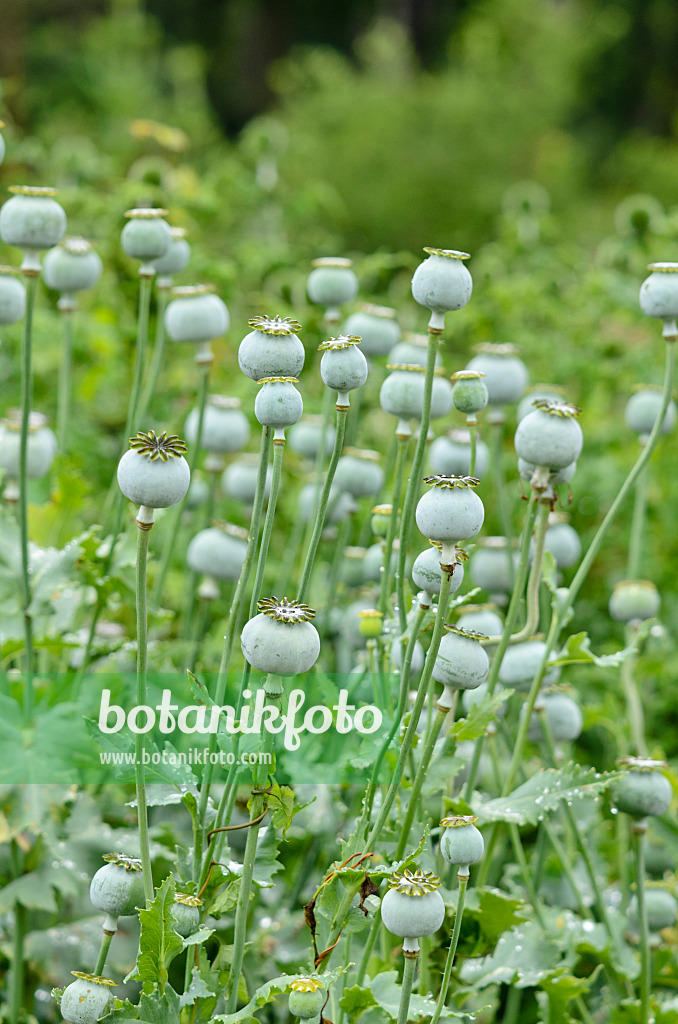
635 711
472 424
534 580
321 511
106 939
512 1008
401 453
26 402
451 953
422 770
278 451
414 480
406 990
17 992
526 874
638 847
497 449
140 738
162 297
368 947
64 389
637 526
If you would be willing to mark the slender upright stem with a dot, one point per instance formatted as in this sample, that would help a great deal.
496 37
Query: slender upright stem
497 449
634 705
278 452
140 738
26 402
638 847
406 991
17 991
401 452
451 953
106 940
162 297
64 391
526 874
637 526
473 442
321 510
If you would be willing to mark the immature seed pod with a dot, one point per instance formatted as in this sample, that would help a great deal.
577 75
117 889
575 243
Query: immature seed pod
154 472
239 480
550 436
87 999
450 511
556 478
185 913
381 520
461 842
644 790
271 349
174 260
482 618
278 404
378 328
492 565
196 315
634 601
351 572
73 266
374 558
402 393
521 662
281 639
225 428
442 283
412 351
450 455
42 445
146 235
469 393
642 410
462 663
562 540
339 505
563 715
660 907
359 473
305 436
307 998
12 296
331 283
412 907
538 392
343 367
370 623
659 294
218 552
118 887
427 573
506 375
32 220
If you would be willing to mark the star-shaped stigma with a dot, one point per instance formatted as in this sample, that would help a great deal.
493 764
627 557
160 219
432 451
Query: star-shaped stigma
284 610
155 447
275 325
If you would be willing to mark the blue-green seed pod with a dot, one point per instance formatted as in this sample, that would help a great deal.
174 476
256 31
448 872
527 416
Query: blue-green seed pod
377 327
412 351
278 404
659 291
351 572
32 219
239 480
482 618
462 663
198 492
218 552
563 716
374 558
506 375
343 367
272 349
281 639
185 913
154 473
450 455
644 791
562 540
427 573
521 662
332 282
461 842
397 652
469 393
643 408
556 477
196 315
634 600
146 236
412 907
118 887
225 427
538 392
12 296
307 998
550 436
402 393
73 266
42 445
471 697
305 436
87 999
450 511
176 258
359 473
492 566
442 283
339 505
661 909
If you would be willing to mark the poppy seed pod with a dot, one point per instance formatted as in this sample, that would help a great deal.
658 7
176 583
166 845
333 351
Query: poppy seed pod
305 436
225 428
12 296
506 375
562 540
450 455
644 791
402 393
175 259
307 998
412 351
32 220
469 392
563 715
634 601
281 639
154 473
278 404
450 511
146 236
659 295
359 473
41 449
397 652
427 573
239 480
72 266
461 842
539 391
521 663
660 907
339 505
412 907
556 477
118 887
492 565
331 283
272 349
217 552
343 367
462 663
550 436
196 314
185 912
442 283
482 618
87 999
378 328
642 410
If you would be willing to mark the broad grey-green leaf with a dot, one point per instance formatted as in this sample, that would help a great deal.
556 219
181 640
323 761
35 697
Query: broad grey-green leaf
542 793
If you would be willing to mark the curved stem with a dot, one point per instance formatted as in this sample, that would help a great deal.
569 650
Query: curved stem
401 452
406 990
449 963
140 738
637 844
26 402
64 387
534 579
637 526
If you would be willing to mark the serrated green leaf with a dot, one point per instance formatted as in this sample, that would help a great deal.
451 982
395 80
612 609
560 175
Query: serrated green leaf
561 987
356 999
577 649
158 943
494 911
267 993
530 802
386 991
281 802
479 717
